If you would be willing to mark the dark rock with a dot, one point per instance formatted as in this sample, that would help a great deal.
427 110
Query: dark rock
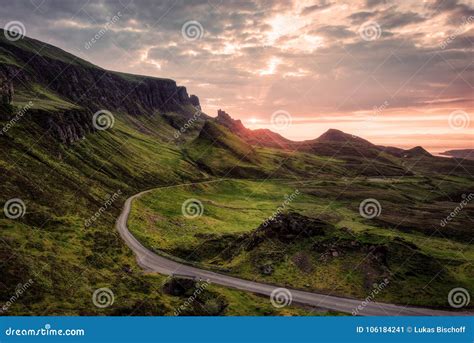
178 286
226 120
267 269
92 87
127 269
195 101
287 227
67 126
6 92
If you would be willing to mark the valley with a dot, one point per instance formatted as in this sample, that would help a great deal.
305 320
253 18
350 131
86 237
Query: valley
346 256
65 168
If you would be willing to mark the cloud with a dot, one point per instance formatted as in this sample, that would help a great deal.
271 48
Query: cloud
391 18
374 3
323 4
256 57
360 17
334 31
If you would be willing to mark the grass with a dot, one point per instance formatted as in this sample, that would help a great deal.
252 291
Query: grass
233 209
64 185
241 303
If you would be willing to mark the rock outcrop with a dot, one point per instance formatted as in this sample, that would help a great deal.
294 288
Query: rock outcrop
233 125
195 101
85 85
6 91
288 227
67 126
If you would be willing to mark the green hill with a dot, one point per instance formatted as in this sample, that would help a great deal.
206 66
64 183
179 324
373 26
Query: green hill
73 178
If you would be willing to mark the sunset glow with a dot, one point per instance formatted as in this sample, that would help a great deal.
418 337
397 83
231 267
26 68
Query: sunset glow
392 73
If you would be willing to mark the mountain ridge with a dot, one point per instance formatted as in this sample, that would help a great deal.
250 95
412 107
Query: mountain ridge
33 69
268 138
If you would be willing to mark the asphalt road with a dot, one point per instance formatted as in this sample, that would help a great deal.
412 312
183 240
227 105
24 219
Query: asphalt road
155 263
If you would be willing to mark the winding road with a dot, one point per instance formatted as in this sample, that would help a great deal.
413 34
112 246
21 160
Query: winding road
155 263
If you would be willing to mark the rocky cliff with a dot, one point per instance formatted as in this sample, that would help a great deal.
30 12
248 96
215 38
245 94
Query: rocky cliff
28 63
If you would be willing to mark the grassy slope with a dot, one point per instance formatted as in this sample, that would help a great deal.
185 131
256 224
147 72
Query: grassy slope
232 208
62 186
220 152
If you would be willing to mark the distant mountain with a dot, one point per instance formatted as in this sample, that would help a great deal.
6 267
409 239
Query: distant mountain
416 151
337 136
460 153
260 137
333 142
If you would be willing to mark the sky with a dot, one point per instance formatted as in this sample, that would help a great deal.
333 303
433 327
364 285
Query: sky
397 73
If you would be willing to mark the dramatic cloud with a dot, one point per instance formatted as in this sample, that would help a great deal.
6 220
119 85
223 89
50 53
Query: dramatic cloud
389 70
